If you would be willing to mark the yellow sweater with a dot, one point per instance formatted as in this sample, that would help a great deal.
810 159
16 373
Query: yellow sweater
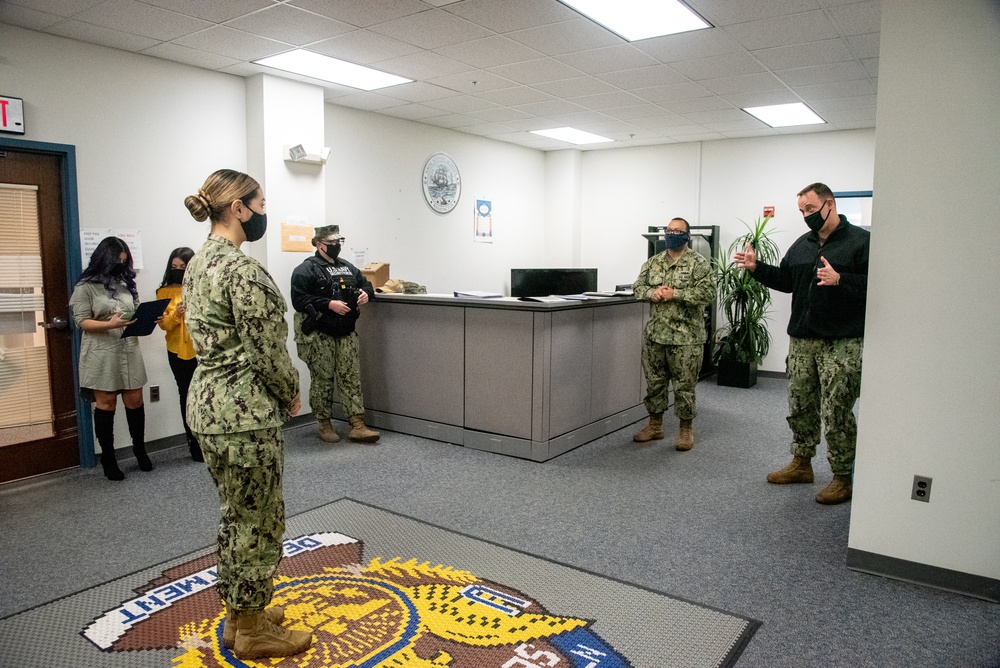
178 339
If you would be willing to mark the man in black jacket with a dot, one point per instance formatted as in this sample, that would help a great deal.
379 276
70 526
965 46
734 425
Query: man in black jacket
327 292
826 270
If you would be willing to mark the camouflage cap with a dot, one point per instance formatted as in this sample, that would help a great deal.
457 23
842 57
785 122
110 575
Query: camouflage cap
327 233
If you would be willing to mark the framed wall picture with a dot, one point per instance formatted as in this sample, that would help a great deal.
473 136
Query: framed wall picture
441 182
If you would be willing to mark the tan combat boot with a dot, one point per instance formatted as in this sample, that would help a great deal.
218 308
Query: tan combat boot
359 432
258 638
326 431
652 431
685 436
838 491
275 614
800 470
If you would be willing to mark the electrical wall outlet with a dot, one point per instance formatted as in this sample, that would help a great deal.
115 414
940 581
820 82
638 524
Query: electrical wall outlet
921 489
154 392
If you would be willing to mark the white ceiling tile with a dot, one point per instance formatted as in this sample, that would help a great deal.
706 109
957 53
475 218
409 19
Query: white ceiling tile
726 12
510 15
291 25
784 30
450 121
532 123
420 91
216 11
581 118
536 71
637 111
838 103
461 104
363 47
858 18
233 43
413 112
606 101
422 66
490 52
761 98
567 37
846 115
576 87
670 124
550 108
485 129
678 91
865 46
644 77
838 89
622 57
360 13
473 83
712 103
804 55
737 125
745 83
32 19
141 19
500 115
689 45
182 54
368 101
716 116
64 8
730 64
431 29
514 96
87 32
819 74
853 125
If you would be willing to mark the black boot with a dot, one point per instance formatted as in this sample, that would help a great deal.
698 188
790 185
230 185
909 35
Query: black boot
195 449
137 429
104 428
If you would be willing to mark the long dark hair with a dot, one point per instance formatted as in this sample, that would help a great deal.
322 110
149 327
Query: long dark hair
107 268
183 253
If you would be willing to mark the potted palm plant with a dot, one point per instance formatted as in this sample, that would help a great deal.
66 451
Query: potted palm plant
742 341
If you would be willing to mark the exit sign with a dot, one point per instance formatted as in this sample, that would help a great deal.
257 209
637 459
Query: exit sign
12 115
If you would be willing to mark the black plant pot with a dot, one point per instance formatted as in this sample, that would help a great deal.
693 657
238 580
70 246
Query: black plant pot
736 374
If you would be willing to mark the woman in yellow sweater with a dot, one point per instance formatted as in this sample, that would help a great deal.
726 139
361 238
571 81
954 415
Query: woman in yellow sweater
180 351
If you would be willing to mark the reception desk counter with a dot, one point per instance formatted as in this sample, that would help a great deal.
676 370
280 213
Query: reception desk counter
526 379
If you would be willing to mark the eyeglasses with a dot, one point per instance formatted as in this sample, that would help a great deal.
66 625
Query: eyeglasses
674 232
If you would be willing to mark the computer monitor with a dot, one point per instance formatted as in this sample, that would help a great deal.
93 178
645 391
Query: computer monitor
542 282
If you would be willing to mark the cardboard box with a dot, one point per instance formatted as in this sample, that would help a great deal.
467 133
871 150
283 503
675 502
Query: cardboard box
377 273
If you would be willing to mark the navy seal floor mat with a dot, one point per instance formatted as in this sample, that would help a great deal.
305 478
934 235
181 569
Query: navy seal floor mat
379 589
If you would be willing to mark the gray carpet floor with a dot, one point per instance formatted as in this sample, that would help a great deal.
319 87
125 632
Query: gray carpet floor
701 525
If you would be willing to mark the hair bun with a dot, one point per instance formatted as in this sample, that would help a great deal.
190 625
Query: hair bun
198 206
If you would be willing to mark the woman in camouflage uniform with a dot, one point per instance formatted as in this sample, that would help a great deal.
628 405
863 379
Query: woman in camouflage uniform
243 390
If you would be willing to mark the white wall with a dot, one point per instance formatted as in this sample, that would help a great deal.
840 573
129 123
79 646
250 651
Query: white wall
931 382
374 193
147 132
715 183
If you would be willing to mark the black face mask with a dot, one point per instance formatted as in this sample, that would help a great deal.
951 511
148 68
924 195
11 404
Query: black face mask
256 226
815 220
175 277
676 242
333 251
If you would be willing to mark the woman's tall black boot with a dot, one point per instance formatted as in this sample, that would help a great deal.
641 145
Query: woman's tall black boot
104 428
137 429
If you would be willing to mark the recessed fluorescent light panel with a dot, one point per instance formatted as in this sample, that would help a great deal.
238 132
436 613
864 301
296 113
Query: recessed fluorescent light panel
640 19
785 115
325 68
571 135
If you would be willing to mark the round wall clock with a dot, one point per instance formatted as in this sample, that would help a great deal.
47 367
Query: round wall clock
442 183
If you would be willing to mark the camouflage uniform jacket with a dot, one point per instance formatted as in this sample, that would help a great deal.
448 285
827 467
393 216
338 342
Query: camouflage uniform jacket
236 317
681 320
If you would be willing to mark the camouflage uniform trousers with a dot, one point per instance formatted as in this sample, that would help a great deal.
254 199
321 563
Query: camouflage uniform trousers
824 382
334 370
246 468
664 365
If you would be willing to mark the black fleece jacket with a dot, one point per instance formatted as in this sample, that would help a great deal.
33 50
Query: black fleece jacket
824 311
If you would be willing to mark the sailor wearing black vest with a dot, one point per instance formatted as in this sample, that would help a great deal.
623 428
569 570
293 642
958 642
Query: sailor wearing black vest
327 294
826 270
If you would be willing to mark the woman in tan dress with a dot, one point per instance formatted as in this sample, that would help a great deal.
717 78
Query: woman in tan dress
103 303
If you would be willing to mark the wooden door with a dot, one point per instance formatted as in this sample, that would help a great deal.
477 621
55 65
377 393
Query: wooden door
35 341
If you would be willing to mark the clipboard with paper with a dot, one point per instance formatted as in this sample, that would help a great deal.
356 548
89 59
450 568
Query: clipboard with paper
144 319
